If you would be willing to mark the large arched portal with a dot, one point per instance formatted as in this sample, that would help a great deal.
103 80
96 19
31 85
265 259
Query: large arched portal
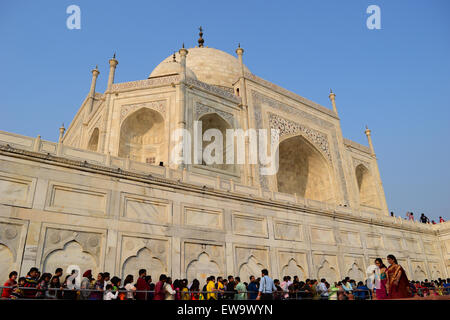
142 137
366 186
214 121
303 170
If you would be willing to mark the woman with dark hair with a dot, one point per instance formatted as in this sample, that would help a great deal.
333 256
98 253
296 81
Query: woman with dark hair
98 287
55 285
194 290
128 285
380 280
43 285
177 288
397 285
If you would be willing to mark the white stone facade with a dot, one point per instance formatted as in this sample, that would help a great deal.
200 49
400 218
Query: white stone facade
99 199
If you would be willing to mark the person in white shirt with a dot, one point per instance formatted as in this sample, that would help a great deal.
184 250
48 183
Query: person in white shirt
169 292
106 281
108 293
322 289
128 284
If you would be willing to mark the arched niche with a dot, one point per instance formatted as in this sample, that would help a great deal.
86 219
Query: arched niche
93 140
327 272
303 170
252 267
201 268
293 269
6 262
214 121
419 274
71 254
144 259
142 137
355 273
366 186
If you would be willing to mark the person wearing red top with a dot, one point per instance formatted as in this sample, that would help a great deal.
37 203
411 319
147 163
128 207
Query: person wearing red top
159 288
11 282
31 282
142 285
441 220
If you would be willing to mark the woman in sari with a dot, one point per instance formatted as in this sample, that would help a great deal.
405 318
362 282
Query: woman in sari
380 280
397 285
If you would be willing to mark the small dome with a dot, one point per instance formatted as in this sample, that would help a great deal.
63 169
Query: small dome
207 64
170 67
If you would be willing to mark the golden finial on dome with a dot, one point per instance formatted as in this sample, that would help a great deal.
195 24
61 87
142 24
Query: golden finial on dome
201 41
173 57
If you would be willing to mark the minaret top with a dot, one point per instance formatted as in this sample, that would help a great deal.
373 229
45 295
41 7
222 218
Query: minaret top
201 41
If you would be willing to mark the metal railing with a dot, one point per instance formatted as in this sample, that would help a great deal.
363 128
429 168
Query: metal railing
98 294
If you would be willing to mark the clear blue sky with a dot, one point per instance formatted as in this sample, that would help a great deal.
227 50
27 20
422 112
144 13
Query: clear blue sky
396 80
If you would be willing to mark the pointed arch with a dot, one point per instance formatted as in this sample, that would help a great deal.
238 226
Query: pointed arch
71 253
292 268
419 274
366 185
201 268
144 259
93 140
327 271
355 272
6 261
251 267
142 137
215 121
304 170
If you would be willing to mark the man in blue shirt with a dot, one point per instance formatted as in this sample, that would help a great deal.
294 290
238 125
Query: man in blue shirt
266 286
252 288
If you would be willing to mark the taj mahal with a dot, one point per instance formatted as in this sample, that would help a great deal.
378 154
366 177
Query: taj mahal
108 196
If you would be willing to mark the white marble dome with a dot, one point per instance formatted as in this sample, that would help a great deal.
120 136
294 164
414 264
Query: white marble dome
209 65
170 67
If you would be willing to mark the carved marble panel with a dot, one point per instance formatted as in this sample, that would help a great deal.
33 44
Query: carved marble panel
251 260
350 238
354 268
292 264
65 247
393 243
322 235
202 260
202 217
326 266
77 199
291 128
249 225
148 253
16 190
145 209
127 109
374 241
201 109
287 230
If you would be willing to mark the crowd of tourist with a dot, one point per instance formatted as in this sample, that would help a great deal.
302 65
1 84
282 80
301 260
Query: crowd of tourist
387 283
423 218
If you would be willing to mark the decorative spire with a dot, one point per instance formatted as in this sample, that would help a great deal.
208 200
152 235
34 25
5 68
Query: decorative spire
183 45
114 55
174 59
61 133
96 67
332 97
201 41
239 45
